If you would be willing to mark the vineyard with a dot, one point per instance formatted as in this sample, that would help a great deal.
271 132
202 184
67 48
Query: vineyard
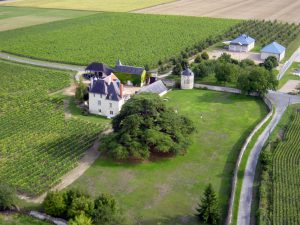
279 201
265 32
134 38
286 176
37 143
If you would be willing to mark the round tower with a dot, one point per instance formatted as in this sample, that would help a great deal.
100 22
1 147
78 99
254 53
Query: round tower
187 79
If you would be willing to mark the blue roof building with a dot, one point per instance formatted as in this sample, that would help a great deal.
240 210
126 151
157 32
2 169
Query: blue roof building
273 49
243 43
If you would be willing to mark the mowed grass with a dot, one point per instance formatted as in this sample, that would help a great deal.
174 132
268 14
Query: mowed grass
167 191
14 219
98 5
289 74
14 17
134 38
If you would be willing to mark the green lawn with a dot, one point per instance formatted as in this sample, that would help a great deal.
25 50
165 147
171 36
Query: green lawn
168 190
289 74
98 5
14 219
15 17
136 39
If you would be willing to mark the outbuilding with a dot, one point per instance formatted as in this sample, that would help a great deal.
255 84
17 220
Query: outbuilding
273 49
157 87
187 79
243 43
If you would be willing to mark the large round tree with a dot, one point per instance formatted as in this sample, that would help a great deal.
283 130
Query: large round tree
145 126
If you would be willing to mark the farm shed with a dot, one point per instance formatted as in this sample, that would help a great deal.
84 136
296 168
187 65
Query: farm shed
135 75
243 43
157 87
273 49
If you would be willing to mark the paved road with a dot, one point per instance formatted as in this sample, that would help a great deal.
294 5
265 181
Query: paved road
35 62
288 63
281 101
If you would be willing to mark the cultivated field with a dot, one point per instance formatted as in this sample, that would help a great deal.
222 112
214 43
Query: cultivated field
134 38
37 143
168 190
98 5
287 10
286 176
14 17
265 32
280 190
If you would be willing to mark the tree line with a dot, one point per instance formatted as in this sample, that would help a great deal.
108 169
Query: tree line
245 75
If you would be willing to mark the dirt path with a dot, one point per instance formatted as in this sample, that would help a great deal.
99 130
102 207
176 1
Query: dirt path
290 86
84 164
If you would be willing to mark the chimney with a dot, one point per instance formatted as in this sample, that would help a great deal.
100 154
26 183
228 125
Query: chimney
109 80
92 82
121 90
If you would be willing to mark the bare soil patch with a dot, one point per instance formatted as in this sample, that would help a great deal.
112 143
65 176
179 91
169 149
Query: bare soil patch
287 10
214 54
25 21
290 86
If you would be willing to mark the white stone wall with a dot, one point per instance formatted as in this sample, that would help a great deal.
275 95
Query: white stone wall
187 82
100 106
265 55
241 48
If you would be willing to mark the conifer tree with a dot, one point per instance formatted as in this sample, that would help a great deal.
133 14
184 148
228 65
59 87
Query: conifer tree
207 210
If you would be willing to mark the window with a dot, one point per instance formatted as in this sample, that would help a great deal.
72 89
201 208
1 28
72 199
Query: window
100 110
94 95
111 113
110 105
99 102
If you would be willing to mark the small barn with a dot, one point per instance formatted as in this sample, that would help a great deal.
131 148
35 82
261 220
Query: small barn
273 49
130 74
243 43
157 87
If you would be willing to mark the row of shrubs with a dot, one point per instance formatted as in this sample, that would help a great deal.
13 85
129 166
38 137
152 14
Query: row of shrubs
75 206
80 208
244 75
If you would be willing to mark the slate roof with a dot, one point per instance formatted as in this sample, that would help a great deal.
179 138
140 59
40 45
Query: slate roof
187 72
104 87
243 40
274 48
129 69
99 67
157 87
